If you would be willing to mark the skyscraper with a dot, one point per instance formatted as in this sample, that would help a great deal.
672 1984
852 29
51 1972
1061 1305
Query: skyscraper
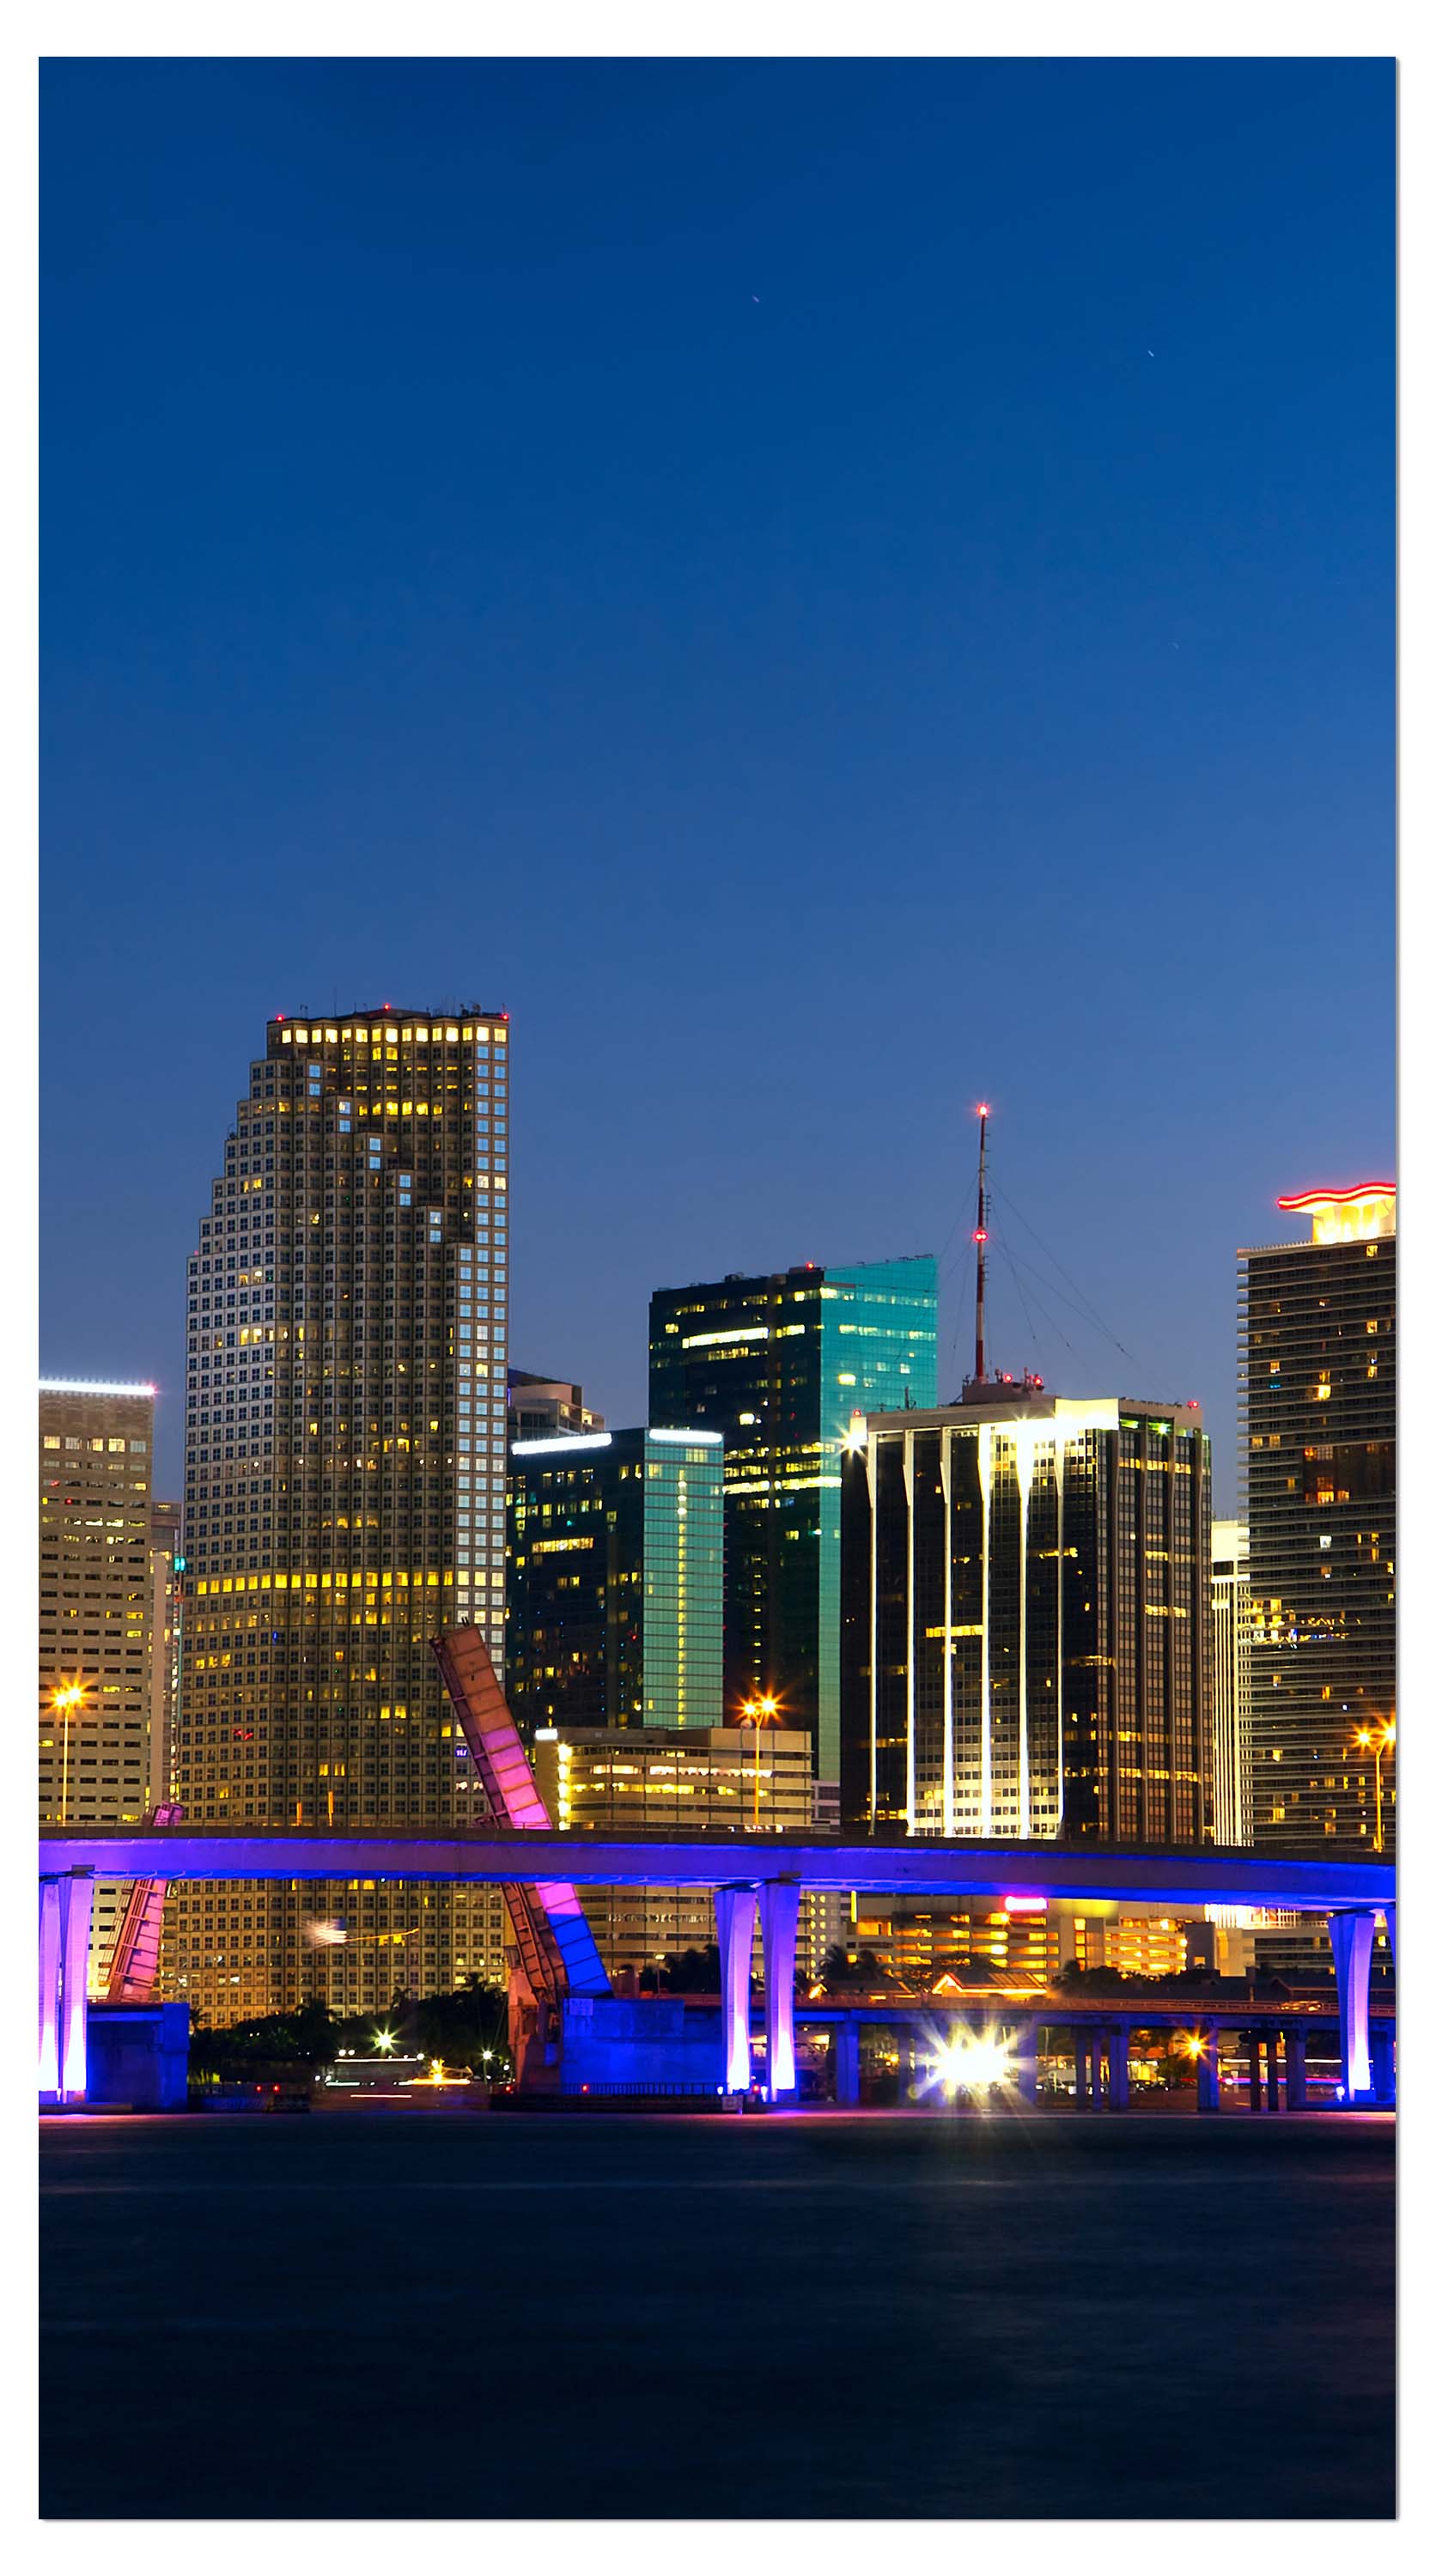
344 1491
1318 1425
1025 1619
615 1610
780 1365
96 1676
1231 1683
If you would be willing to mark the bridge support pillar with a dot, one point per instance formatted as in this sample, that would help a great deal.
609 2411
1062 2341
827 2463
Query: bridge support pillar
1081 2069
778 1902
847 2050
735 1908
906 2061
51 1933
1295 2041
1383 2064
66 1905
1351 1939
1253 2070
1273 2073
1118 2087
1209 2077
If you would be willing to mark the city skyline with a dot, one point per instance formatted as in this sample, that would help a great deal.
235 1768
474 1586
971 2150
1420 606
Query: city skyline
815 655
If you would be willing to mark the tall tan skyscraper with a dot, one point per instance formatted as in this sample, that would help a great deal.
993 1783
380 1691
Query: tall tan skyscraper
96 1453
344 1493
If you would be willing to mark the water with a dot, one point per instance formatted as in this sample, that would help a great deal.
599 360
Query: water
360 2314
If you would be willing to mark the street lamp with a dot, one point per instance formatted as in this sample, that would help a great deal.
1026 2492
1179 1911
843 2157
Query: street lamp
1377 1740
69 1696
759 1713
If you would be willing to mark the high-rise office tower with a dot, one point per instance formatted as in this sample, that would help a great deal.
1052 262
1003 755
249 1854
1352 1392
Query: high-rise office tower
540 1405
1231 1683
615 1610
1318 1426
96 1677
344 1492
1026 1587
780 1365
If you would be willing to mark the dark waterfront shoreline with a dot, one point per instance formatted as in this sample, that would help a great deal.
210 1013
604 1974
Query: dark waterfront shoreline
803 2316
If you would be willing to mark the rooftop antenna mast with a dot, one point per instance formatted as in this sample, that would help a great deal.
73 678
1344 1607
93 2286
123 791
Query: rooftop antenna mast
979 1237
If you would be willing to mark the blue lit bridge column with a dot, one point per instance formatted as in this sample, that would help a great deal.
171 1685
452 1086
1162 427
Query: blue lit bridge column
735 1908
1351 1941
778 1901
66 1905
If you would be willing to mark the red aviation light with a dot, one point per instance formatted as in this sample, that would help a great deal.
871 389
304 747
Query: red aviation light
979 1234
984 1109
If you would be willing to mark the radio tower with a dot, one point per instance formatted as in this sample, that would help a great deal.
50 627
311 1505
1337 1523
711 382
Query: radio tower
980 1239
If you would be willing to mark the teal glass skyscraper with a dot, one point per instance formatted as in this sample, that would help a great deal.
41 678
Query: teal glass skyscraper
779 1365
615 1617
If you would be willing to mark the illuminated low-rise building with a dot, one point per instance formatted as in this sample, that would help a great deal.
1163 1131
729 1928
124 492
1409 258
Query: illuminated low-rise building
740 1780
615 1568
1026 1609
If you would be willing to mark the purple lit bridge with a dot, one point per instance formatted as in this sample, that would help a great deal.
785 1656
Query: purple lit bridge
760 1876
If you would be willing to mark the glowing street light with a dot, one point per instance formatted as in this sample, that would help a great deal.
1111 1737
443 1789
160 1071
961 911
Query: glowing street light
69 1696
969 2062
758 1713
1377 1740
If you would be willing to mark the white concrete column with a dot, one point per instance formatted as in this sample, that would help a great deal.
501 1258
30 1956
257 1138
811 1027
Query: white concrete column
735 1909
50 1987
78 1906
778 1901
1351 1939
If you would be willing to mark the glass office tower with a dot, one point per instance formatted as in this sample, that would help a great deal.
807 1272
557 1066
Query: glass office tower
779 1365
615 1609
1318 1424
344 1481
1026 1605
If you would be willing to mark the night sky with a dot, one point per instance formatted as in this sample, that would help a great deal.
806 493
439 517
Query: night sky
825 590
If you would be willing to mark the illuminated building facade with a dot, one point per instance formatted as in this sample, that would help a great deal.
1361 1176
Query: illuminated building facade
541 1406
779 1365
615 1615
167 1568
345 1436
1025 1620
1231 1683
675 1780
96 1464
1318 1429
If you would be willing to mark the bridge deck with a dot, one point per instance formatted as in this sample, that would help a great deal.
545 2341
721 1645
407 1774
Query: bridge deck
1316 1883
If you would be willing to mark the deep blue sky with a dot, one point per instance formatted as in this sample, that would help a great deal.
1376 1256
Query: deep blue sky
824 589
